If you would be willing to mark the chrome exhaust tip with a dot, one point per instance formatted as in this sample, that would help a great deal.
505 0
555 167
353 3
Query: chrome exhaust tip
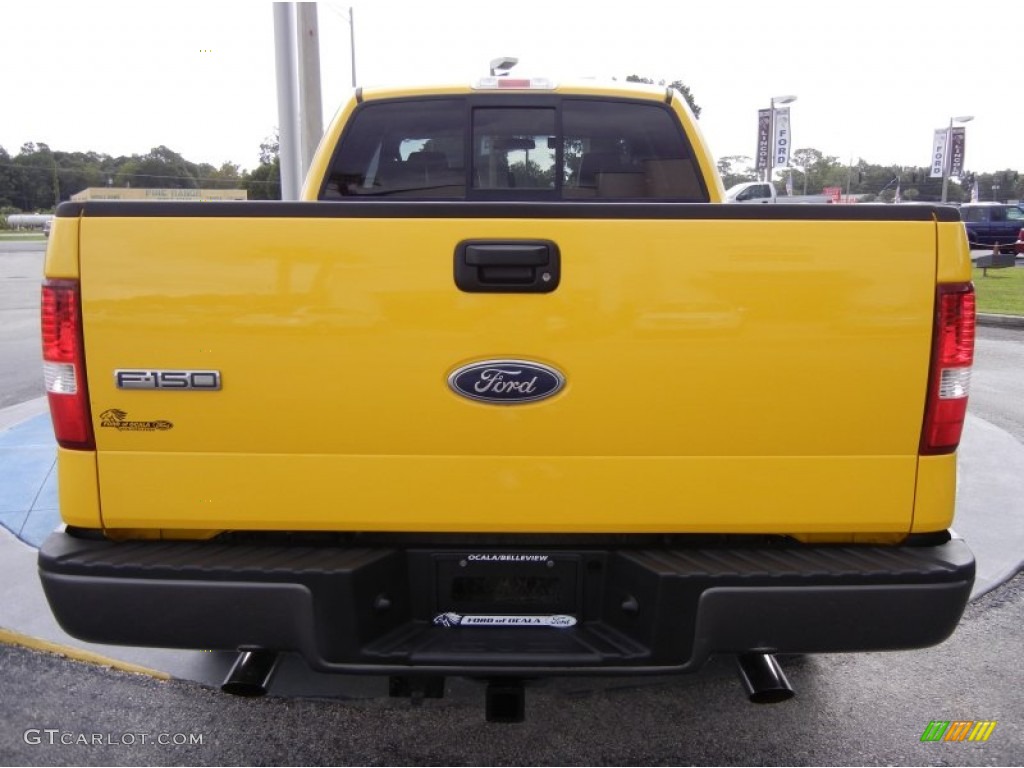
251 673
763 678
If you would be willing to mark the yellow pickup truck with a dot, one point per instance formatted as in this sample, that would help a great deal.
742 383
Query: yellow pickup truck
509 393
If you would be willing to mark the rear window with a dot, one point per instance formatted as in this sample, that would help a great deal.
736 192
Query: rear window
480 149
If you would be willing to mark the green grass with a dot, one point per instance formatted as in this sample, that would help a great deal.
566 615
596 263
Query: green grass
21 236
1001 292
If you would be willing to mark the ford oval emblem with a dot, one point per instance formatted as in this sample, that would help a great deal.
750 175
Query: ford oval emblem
506 382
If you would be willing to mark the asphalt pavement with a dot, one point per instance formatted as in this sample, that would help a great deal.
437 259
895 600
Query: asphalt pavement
850 709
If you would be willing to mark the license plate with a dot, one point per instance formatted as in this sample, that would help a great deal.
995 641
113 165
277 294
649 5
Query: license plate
509 583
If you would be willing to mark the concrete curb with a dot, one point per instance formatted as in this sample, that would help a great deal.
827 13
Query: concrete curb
15 414
9 637
1001 321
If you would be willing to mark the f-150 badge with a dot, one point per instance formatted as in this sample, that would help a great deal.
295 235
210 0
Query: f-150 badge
506 382
142 379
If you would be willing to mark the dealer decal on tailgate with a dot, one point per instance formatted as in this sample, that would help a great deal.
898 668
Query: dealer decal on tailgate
459 620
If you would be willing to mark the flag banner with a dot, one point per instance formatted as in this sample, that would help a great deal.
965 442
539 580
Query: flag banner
781 140
958 140
938 153
974 192
898 197
764 120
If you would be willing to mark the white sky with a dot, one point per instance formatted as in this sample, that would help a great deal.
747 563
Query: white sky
873 78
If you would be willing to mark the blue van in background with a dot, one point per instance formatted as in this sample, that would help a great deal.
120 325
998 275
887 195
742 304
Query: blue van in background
990 224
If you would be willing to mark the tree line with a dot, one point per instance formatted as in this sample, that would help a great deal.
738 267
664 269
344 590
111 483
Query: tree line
812 171
38 178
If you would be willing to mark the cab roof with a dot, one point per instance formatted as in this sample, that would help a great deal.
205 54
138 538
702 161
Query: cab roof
538 85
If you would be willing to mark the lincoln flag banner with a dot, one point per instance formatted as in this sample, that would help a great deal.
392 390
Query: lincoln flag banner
764 153
958 139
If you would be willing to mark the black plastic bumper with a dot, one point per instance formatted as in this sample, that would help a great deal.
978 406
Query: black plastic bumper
397 610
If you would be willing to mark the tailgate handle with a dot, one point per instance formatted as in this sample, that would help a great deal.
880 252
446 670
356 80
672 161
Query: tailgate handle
507 266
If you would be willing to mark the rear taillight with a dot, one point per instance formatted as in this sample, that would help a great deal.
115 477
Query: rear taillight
64 364
950 377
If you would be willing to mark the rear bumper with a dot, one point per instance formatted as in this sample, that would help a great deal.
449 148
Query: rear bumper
379 609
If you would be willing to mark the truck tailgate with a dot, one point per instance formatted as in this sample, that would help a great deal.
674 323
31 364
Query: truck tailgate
722 374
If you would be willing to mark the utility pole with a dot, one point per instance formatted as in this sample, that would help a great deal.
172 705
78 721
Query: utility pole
849 180
311 117
287 103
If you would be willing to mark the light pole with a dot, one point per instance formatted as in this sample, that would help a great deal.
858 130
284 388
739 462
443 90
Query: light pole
949 154
781 101
311 118
803 172
349 17
286 65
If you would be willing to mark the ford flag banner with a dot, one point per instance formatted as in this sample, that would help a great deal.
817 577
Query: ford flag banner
958 140
781 141
938 153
